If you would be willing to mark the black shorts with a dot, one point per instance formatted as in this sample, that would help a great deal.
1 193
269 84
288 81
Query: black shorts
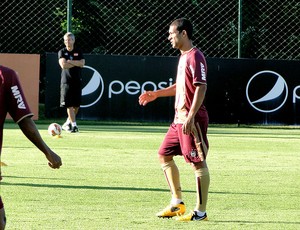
70 94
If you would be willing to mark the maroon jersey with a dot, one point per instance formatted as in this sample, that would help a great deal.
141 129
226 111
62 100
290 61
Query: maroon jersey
192 70
12 99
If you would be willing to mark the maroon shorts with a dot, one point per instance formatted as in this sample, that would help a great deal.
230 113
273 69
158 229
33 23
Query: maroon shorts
193 147
1 203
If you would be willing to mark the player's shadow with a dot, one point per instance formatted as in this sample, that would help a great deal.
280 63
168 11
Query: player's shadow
252 222
87 187
31 177
92 187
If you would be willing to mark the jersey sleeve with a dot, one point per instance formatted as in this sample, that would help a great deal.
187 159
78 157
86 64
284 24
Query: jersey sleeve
198 67
18 107
60 54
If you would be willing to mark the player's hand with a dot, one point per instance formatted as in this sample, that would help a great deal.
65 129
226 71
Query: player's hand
147 97
54 160
187 126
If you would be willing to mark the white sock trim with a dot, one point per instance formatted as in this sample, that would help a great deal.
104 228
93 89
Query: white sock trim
199 213
176 201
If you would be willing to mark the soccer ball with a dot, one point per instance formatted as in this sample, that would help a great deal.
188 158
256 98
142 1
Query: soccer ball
54 129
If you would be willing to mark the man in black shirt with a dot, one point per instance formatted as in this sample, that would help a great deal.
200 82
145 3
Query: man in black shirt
71 61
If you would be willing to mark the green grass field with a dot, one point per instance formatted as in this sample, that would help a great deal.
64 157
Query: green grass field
111 179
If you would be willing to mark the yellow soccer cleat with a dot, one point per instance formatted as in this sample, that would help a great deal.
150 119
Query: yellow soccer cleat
2 163
192 216
172 210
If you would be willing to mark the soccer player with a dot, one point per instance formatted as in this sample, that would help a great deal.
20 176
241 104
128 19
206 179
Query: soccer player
187 135
13 101
71 61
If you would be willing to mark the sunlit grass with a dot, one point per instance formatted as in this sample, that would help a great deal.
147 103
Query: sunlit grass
111 179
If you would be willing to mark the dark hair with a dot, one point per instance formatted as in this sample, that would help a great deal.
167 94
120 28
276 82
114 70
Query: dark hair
184 24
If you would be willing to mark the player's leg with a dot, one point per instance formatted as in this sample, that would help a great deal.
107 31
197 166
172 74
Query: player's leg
172 176
168 149
67 125
201 169
72 111
202 186
71 114
76 109
2 215
64 91
194 149
75 100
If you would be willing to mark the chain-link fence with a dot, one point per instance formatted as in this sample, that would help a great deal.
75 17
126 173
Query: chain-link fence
30 26
269 28
260 29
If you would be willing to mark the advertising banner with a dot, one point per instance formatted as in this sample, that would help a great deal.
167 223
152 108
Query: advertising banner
239 90
112 85
254 91
28 68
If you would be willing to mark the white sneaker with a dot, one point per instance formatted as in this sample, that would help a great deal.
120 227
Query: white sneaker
67 127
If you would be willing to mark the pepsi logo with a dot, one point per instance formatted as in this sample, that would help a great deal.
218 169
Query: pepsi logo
266 91
93 87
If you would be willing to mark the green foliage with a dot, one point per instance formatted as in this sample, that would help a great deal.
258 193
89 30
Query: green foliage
269 28
266 29
77 24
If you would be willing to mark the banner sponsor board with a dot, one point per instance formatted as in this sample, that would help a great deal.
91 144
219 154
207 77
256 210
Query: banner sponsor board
28 68
239 90
111 86
254 91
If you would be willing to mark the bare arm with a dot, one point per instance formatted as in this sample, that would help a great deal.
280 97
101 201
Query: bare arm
149 96
2 218
197 102
67 64
30 130
64 64
78 63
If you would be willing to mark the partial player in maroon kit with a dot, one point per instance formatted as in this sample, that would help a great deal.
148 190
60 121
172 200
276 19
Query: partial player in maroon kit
13 101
